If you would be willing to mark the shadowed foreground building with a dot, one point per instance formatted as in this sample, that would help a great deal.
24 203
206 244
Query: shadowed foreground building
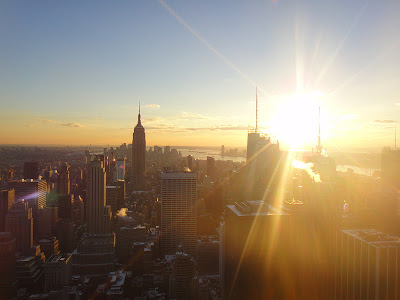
94 256
7 198
182 283
34 192
367 265
178 212
20 223
253 261
96 195
7 263
57 271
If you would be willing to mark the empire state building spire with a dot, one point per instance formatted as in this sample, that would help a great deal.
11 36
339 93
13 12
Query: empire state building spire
139 122
139 156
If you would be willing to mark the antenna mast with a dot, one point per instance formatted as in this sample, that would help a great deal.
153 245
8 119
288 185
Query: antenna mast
395 136
256 111
319 129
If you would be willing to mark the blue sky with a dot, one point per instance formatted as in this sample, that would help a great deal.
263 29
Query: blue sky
73 72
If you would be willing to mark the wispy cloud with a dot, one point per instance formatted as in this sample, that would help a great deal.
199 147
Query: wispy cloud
47 121
385 121
152 120
173 128
348 117
71 125
188 115
152 105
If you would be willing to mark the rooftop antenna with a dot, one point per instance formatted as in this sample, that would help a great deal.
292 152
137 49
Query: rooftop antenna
319 148
256 112
139 121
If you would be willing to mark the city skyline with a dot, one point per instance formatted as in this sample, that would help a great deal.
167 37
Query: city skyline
74 73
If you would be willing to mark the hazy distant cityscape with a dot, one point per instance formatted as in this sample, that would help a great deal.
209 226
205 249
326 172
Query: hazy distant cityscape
205 150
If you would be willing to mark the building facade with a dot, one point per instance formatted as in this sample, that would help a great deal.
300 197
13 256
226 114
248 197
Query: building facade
96 195
178 212
139 156
19 222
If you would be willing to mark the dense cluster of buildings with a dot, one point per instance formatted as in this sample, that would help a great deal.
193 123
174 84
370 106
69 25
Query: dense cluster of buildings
150 224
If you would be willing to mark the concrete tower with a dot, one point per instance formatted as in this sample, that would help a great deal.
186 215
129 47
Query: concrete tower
63 180
20 223
178 212
96 195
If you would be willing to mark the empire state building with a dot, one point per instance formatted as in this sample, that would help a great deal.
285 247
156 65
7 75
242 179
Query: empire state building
139 157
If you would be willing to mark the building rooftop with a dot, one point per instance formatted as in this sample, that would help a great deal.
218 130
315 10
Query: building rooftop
62 258
374 237
253 208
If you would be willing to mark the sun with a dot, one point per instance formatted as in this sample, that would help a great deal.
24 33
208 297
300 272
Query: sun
295 121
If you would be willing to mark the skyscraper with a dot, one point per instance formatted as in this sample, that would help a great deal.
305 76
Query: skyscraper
253 252
7 263
121 168
31 170
178 211
20 223
367 265
96 195
139 156
7 198
181 280
63 180
263 158
34 192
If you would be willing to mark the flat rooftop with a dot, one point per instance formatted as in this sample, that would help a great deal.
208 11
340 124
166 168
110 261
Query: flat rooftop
374 237
62 258
255 208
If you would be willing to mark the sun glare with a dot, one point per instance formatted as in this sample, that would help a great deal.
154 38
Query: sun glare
295 121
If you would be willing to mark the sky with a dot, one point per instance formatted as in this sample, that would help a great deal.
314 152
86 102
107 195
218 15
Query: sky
74 72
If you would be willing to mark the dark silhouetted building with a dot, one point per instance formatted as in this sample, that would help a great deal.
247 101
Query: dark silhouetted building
7 263
7 198
34 192
182 278
367 265
94 256
263 167
66 235
139 157
207 257
31 170
178 211
29 271
48 217
96 195
57 271
49 246
65 206
20 223
113 197
63 180
121 168
254 262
